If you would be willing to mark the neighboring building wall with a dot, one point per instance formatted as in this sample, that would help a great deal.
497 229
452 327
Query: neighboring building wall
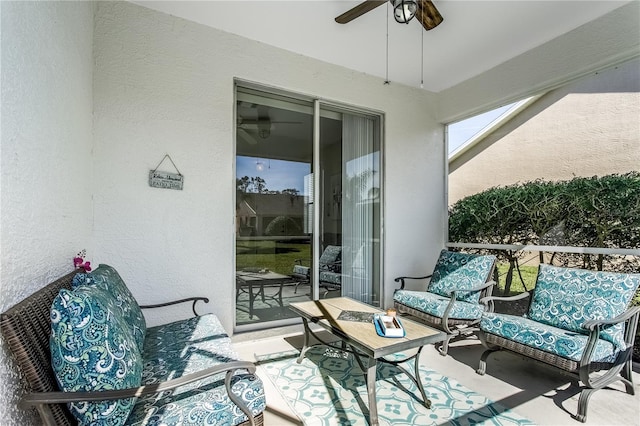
45 160
588 128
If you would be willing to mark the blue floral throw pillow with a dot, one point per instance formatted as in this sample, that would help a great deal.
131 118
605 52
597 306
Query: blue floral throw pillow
108 279
92 349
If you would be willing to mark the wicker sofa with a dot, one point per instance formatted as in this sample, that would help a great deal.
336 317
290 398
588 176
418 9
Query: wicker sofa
578 321
87 357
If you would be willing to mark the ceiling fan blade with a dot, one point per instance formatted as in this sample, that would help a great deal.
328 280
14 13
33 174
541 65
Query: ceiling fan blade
428 15
246 136
358 10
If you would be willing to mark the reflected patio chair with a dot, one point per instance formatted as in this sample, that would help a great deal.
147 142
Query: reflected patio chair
329 269
451 299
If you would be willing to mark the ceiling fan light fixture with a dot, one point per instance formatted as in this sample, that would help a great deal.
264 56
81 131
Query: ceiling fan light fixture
404 10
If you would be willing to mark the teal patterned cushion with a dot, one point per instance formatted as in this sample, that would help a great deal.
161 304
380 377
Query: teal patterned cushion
301 270
557 341
331 277
330 259
200 343
460 271
92 349
434 304
567 297
106 277
179 333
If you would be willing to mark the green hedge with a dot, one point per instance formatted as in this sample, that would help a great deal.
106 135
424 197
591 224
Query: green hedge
602 212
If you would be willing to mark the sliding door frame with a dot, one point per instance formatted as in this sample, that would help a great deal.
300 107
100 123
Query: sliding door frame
318 104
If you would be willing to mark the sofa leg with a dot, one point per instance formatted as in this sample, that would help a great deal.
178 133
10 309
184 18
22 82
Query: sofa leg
482 367
583 401
628 376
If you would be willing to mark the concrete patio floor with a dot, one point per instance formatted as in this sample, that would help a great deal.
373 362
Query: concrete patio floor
529 388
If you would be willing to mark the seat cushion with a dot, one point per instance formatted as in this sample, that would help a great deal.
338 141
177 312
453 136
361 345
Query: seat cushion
567 297
92 349
564 343
301 270
204 402
107 277
435 305
330 277
179 333
460 271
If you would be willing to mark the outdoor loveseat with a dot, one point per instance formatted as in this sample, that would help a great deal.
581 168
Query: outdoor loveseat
86 354
451 299
578 321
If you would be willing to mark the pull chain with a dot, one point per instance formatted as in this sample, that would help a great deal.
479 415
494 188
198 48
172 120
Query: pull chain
386 80
422 59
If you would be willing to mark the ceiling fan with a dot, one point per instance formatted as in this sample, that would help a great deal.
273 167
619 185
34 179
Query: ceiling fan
403 11
261 127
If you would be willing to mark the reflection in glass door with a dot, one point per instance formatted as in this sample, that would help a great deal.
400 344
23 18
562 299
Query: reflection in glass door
274 141
283 211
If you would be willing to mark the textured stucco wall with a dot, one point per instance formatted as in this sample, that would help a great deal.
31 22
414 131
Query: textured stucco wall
588 128
165 85
45 157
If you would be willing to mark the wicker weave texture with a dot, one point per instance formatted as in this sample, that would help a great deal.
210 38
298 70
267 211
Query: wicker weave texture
546 357
26 327
437 321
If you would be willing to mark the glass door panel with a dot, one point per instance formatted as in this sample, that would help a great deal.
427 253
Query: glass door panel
350 164
274 140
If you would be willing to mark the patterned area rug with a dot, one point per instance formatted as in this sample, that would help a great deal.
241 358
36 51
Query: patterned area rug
328 388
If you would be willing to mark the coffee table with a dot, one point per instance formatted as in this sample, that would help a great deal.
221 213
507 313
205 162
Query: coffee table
249 279
365 343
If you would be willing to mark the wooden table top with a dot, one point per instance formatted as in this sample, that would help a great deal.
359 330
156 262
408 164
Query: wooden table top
363 335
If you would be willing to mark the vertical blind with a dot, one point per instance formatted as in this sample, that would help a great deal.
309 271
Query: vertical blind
359 170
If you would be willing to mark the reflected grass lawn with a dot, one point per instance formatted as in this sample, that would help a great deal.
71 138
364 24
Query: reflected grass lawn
276 256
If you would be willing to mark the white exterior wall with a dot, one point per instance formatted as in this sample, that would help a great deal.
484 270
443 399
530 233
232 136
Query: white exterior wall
164 85
45 157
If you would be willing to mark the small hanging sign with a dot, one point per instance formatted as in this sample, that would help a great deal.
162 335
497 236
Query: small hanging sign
166 180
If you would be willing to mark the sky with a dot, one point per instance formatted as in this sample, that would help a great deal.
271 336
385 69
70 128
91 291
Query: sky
464 130
277 174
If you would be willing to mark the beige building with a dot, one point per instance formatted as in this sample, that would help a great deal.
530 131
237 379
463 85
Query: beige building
588 128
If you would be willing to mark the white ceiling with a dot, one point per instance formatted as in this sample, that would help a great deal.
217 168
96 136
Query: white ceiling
476 35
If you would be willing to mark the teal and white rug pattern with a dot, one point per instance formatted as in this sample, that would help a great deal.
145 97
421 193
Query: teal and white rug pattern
328 388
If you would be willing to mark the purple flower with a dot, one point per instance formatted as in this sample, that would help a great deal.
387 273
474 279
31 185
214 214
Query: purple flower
79 263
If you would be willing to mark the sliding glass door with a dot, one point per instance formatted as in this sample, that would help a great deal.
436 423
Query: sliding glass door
350 190
297 237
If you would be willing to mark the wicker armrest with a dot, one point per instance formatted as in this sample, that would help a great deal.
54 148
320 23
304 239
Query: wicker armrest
401 280
175 302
